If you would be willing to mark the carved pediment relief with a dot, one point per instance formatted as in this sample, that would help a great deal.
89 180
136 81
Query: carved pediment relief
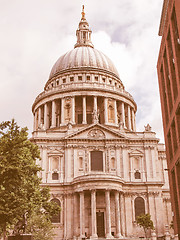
96 134
96 131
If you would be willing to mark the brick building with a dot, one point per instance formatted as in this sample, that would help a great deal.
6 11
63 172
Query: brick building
168 67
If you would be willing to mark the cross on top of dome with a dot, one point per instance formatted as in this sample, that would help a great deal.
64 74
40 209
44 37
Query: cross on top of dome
83 33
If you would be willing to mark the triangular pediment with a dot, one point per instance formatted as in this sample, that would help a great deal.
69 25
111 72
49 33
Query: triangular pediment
52 150
135 152
96 132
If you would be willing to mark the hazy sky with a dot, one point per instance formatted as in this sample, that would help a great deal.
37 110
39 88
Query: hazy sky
34 34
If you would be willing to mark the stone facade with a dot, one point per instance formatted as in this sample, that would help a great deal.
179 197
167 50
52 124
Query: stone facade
100 170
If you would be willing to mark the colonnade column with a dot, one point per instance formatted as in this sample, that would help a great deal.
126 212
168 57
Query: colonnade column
84 110
93 214
105 111
95 103
132 114
118 226
45 115
35 120
123 114
62 111
129 117
115 112
82 219
53 124
108 214
134 120
73 110
39 117
75 232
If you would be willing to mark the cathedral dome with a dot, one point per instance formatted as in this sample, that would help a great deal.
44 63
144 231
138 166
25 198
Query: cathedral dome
83 57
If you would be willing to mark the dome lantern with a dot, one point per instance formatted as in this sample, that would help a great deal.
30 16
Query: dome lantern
83 33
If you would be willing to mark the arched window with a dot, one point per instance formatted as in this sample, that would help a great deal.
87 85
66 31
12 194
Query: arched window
137 175
111 112
56 218
80 163
139 206
96 161
67 111
112 163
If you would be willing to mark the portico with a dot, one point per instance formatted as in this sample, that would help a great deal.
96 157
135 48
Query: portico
100 215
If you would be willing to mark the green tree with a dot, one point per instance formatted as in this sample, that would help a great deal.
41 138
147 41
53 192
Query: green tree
144 221
40 226
20 189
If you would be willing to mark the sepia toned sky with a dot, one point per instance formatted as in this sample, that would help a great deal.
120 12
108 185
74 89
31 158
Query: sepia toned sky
34 34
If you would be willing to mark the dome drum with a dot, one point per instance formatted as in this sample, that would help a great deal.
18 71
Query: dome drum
84 75
84 108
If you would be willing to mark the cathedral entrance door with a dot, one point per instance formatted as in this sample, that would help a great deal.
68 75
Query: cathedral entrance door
100 224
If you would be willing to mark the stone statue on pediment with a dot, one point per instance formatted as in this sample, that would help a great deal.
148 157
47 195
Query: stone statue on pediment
148 128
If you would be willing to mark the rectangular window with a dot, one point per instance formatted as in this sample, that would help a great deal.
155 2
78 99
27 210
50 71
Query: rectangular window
96 161
178 121
96 78
176 38
164 94
168 84
171 66
174 23
80 78
173 128
170 146
88 78
64 80
71 79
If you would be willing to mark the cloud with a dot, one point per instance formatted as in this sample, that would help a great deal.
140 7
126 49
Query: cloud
37 33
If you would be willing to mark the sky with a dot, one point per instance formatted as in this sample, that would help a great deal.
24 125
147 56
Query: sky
34 34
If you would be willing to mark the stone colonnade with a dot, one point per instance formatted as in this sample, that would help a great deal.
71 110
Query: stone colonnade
93 230
61 111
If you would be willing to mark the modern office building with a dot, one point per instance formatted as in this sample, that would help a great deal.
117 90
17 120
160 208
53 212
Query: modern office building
100 170
168 67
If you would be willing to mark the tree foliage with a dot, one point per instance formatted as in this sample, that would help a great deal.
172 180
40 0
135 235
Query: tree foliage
40 226
20 190
144 221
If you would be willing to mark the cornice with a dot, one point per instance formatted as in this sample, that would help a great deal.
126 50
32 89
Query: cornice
93 88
